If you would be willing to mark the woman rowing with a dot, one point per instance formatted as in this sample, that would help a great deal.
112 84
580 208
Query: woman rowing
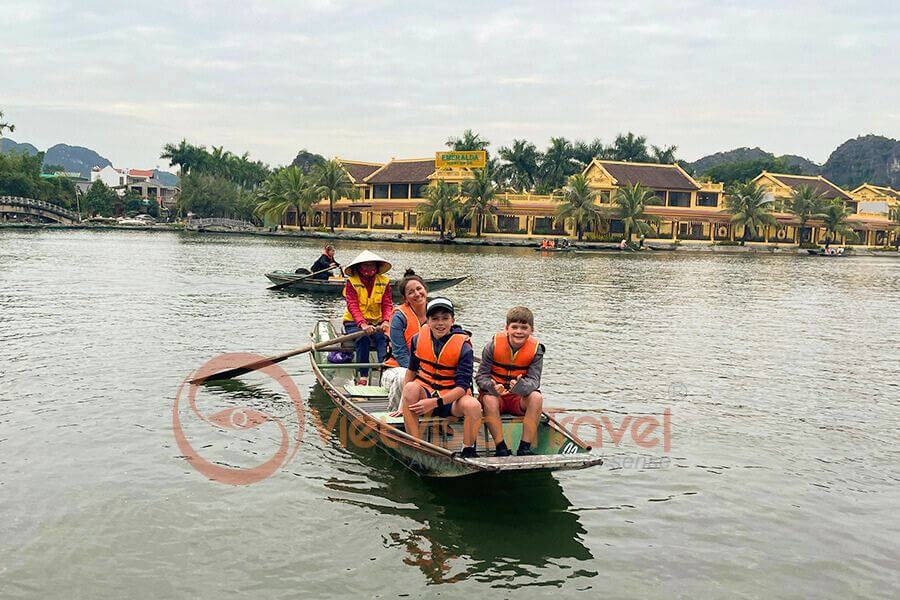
405 323
369 307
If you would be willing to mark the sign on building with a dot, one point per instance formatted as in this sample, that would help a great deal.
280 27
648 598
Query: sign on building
475 159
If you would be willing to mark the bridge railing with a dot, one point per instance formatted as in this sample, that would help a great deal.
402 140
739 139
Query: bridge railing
32 203
220 222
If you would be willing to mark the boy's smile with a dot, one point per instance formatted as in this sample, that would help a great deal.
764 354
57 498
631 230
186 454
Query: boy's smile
440 323
518 333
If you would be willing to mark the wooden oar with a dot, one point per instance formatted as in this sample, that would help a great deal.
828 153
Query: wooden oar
264 362
281 286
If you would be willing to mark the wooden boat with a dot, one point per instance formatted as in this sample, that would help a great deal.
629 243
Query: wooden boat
548 250
365 408
336 285
821 252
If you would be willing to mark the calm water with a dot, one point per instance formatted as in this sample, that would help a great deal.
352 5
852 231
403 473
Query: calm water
780 373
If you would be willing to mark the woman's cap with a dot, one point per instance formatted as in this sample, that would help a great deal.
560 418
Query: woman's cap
439 303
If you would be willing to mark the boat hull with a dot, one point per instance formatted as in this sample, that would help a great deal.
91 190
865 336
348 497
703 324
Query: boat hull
335 287
436 455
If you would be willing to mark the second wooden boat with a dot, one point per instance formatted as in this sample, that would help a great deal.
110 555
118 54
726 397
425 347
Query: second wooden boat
336 286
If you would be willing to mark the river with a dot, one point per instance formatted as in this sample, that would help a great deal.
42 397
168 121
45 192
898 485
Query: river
779 375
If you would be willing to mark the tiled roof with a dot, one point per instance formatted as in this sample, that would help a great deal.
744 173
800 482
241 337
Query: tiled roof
403 171
359 170
819 185
140 172
666 177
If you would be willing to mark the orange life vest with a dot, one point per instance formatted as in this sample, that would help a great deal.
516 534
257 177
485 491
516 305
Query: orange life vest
509 364
412 328
438 372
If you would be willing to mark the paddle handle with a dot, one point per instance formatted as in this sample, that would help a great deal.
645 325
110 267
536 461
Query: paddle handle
264 362
293 281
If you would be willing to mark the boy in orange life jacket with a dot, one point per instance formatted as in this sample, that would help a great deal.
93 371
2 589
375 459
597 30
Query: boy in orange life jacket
439 379
509 379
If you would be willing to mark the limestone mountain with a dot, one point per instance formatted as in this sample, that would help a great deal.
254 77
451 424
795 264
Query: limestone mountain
10 146
75 159
871 159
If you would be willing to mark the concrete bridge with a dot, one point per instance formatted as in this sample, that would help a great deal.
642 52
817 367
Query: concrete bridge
14 205
220 224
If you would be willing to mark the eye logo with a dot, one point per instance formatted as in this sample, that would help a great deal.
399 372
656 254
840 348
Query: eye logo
238 419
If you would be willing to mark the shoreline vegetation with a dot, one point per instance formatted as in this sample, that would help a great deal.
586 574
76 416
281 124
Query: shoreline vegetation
686 246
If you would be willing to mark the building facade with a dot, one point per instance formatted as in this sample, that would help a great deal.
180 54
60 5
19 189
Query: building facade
688 210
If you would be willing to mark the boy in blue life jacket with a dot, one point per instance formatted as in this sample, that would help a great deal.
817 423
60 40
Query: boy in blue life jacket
439 379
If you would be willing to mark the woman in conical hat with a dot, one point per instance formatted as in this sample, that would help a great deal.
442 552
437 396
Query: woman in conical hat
369 306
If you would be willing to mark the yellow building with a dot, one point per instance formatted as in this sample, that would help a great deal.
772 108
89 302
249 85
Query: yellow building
871 228
689 210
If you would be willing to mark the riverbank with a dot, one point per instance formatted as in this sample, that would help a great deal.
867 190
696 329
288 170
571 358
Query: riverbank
493 241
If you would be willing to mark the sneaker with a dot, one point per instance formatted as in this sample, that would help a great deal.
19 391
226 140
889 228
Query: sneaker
504 452
468 452
525 452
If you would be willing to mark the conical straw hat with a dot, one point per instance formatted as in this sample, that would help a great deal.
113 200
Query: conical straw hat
366 256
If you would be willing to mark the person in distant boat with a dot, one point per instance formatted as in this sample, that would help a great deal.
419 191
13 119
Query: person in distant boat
369 307
641 242
509 380
406 322
623 244
439 379
326 261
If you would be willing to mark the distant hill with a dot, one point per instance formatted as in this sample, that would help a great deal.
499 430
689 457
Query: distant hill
806 166
702 165
10 146
165 177
738 155
871 159
75 159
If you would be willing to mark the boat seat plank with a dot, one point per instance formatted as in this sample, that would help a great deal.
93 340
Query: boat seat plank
367 391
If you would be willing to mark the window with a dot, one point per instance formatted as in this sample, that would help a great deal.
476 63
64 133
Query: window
380 191
399 191
707 199
658 199
681 199
418 190
508 224
616 226
603 198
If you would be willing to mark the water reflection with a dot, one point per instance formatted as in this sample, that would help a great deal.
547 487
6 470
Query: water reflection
487 526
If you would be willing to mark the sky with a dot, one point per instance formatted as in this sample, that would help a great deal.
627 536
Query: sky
380 79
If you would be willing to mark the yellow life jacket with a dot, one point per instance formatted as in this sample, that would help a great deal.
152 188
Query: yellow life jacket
370 305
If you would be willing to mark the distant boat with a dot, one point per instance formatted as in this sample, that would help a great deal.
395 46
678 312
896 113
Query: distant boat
821 252
335 285
366 409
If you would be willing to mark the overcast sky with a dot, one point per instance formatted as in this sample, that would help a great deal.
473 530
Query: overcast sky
379 79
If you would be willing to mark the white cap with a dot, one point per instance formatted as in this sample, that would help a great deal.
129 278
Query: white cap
439 303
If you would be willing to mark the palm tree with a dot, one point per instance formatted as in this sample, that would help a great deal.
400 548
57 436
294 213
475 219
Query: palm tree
557 163
468 142
7 126
441 205
664 155
805 204
481 198
578 205
178 155
750 208
272 204
894 214
835 219
632 200
584 152
521 166
629 147
332 183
